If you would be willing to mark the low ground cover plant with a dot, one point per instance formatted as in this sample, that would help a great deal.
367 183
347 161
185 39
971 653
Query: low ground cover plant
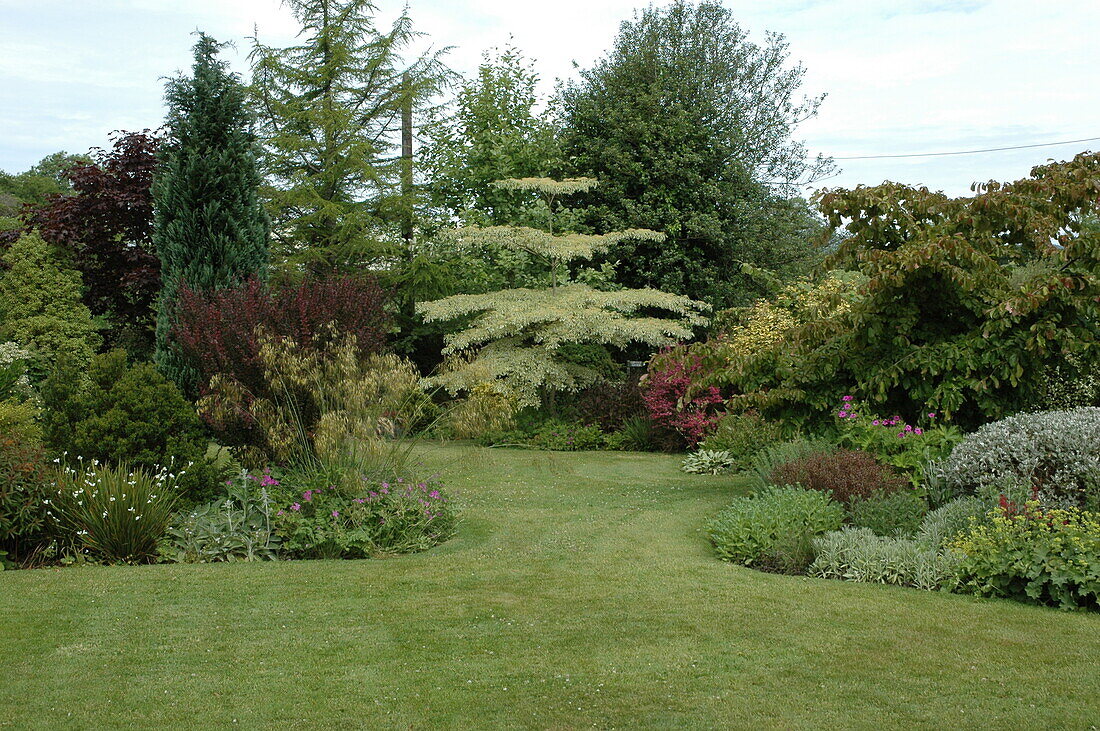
238 527
859 554
1033 555
708 462
375 519
893 514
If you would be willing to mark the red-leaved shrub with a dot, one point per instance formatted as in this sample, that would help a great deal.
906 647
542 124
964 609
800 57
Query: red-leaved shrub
675 402
215 331
844 474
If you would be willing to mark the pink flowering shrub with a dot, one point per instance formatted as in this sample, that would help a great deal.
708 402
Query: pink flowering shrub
674 399
907 447
381 518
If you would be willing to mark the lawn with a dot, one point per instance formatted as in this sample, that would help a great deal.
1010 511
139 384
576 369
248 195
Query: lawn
579 592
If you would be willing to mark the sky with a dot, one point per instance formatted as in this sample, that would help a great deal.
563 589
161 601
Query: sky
901 76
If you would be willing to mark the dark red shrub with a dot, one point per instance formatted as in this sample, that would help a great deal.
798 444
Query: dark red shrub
674 400
610 404
215 331
106 227
845 474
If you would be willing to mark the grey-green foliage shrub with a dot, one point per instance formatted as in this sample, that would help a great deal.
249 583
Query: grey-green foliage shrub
773 529
857 554
888 514
742 436
947 521
708 462
1056 451
764 462
239 527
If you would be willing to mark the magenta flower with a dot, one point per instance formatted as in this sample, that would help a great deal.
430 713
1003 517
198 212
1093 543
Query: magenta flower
908 427
875 422
385 485
335 513
295 506
932 415
842 414
360 500
918 430
434 494
307 496
847 398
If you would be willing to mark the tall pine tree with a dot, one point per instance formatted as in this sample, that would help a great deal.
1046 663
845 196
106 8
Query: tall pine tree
210 229
330 111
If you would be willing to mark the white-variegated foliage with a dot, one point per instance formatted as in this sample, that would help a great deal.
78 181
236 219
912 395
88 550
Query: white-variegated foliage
514 336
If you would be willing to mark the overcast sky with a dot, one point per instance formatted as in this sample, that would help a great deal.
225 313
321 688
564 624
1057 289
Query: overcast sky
902 76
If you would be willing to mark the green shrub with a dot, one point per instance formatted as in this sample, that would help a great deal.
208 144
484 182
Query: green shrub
765 462
888 514
128 414
25 482
708 462
19 419
381 518
844 474
1057 452
41 309
115 513
773 529
1036 556
561 436
238 527
858 554
941 525
742 436
636 435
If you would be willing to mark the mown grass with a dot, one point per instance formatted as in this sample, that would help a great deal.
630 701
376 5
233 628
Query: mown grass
579 592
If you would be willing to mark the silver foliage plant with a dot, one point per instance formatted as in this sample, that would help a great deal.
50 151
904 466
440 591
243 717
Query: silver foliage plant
1056 451
857 554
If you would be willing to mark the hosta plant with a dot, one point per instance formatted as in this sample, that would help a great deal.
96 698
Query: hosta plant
708 462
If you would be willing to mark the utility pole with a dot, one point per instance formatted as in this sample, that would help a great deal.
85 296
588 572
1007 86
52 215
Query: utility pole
407 163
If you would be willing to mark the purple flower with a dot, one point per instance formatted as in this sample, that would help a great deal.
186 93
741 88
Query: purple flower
280 513
335 513
307 496
434 494
843 414
876 422
847 398
385 485
360 500
295 506
932 415
918 430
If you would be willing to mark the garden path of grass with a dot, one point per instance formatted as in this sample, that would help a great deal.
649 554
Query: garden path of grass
579 592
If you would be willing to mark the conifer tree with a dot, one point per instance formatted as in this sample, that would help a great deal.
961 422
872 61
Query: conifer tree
210 229
516 336
40 307
330 110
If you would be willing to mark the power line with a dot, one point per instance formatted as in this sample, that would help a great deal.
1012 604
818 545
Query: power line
967 152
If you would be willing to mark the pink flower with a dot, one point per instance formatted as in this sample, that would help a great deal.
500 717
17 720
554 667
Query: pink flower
918 430
385 485
847 398
908 427
307 495
875 422
434 494
360 500
932 415
335 513
280 513
843 414
295 506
